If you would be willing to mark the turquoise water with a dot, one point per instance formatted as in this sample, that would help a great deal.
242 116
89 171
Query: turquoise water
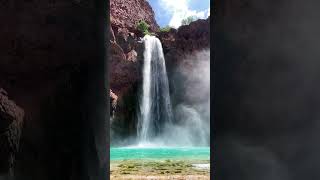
127 153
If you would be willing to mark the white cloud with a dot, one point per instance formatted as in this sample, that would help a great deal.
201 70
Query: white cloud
179 10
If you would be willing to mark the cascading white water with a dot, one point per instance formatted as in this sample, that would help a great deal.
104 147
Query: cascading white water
155 105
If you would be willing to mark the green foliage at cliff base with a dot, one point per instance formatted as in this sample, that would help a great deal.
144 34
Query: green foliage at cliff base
167 167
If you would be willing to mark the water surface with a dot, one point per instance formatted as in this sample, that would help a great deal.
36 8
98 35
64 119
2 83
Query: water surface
155 153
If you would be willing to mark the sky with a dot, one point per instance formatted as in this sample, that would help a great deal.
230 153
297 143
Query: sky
171 12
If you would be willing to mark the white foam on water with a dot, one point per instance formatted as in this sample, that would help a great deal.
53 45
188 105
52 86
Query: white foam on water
201 166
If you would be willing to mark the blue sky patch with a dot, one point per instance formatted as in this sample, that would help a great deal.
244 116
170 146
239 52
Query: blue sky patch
171 12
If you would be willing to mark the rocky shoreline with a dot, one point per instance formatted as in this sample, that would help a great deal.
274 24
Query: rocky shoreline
173 177
158 169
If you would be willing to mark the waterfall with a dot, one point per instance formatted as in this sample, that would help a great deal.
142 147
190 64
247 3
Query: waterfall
155 106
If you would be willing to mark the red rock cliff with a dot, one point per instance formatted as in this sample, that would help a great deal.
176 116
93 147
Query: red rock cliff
124 46
126 13
186 40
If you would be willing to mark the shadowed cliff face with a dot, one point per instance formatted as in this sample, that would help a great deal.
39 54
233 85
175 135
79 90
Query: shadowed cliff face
266 91
11 121
52 66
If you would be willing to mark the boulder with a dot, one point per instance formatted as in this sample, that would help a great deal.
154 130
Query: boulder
132 56
113 102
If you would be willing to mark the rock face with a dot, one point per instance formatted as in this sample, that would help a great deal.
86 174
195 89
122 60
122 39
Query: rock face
52 65
113 102
124 47
11 120
126 53
124 77
126 14
185 40
124 65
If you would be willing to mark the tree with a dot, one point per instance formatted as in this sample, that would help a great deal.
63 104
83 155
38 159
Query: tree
188 20
143 27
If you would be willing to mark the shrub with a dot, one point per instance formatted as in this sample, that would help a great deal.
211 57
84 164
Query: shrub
188 20
143 27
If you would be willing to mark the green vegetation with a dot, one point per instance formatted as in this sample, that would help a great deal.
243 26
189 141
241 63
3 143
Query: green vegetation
188 20
167 167
143 27
165 29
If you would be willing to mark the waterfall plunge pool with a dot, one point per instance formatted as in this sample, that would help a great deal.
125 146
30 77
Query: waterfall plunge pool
160 162
159 153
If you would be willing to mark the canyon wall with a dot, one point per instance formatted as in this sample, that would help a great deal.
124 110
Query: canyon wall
187 39
52 67
126 52
124 45
126 14
11 123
